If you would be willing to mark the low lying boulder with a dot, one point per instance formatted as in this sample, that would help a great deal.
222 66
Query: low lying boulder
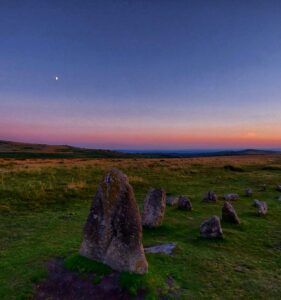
231 197
210 197
172 200
229 214
184 203
154 208
164 248
211 228
248 192
261 207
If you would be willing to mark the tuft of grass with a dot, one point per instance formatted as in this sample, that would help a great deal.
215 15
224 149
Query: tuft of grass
136 283
83 264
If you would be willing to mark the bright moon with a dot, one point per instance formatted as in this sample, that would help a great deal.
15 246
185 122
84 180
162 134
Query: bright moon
56 78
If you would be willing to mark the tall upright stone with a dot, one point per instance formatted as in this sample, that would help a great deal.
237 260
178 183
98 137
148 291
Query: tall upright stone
154 208
113 231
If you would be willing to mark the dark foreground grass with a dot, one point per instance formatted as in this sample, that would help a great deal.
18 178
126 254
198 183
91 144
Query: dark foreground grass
44 204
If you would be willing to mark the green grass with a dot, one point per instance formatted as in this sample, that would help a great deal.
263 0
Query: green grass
43 207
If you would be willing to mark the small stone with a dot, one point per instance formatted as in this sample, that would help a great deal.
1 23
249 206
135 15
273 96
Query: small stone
210 197
278 187
184 203
211 228
229 214
154 208
262 187
164 248
172 200
248 192
262 208
113 231
231 197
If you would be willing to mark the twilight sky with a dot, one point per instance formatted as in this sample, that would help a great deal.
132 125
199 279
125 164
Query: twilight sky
141 74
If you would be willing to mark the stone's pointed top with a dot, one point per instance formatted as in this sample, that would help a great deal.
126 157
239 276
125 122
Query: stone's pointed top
113 232
154 208
229 214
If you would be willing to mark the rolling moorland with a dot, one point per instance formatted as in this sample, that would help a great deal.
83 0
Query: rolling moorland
44 204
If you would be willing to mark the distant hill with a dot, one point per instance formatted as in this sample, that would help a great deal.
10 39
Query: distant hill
10 149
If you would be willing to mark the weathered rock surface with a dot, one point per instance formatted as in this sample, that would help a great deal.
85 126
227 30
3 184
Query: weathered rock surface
261 207
154 208
229 214
172 200
211 228
210 197
165 248
113 231
248 192
278 187
231 197
184 203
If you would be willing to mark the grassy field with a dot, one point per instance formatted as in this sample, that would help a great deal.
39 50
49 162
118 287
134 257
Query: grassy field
44 204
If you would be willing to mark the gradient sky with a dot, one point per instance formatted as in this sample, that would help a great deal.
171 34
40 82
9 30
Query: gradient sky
141 74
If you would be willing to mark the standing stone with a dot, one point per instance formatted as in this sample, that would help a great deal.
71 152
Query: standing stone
172 200
113 231
261 208
211 228
278 187
210 197
231 197
229 214
154 208
184 203
248 192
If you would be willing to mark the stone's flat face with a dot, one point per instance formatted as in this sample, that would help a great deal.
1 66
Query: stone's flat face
113 231
184 203
231 197
249 192
154 208
229 214
172 200
211 228
210 197
164 248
